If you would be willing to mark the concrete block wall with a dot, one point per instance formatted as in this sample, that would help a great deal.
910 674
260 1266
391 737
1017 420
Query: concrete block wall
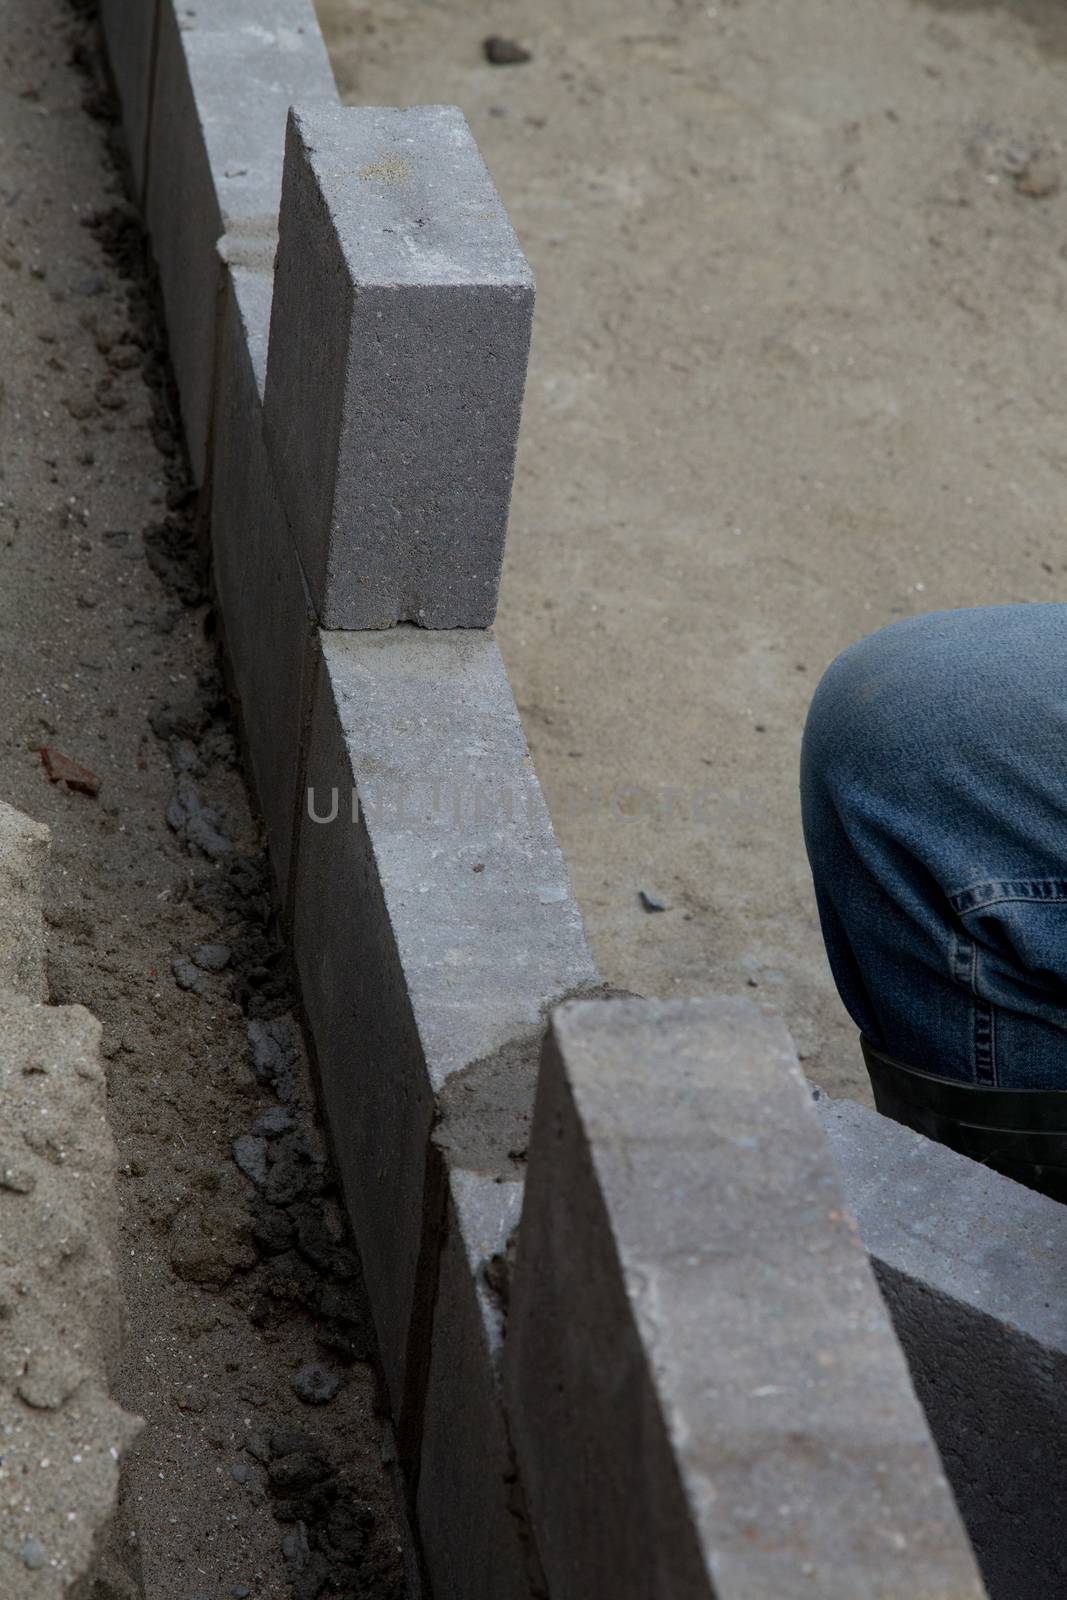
433 928
433 924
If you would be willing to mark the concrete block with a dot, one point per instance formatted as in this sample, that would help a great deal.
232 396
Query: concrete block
395 436
268 622
226 74
431 935
474 1539
24 847
972 1268
130 32
705 1393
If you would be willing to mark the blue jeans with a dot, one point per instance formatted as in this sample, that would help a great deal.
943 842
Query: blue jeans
934 792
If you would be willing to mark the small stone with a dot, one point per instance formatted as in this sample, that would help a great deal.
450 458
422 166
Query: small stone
250 1155
501 52
1016 159
273 1123
295 1548
315 1384
1039 181
652 901
81 407
241 1472
203 831
50 1381
258 1445
212 957
186 976
16 1179
31 1554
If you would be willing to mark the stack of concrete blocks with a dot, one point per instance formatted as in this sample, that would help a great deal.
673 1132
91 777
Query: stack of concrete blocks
352 417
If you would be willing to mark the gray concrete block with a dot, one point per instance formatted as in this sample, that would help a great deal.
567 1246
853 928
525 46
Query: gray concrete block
129 32
474 1538
431 936
24 846
705 1393
972 1268
268 622
395 436
226 74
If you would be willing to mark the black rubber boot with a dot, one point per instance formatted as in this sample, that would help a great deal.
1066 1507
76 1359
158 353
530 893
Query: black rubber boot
1019 1132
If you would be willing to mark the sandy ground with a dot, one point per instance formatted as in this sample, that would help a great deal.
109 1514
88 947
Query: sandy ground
253 1477
799 368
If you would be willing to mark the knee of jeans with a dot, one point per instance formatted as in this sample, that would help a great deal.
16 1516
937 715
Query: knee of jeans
882 706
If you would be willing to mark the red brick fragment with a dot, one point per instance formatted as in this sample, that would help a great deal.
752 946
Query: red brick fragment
61 769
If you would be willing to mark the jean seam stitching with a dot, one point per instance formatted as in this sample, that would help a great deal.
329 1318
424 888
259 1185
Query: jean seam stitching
985 1059
983 1015
1027 890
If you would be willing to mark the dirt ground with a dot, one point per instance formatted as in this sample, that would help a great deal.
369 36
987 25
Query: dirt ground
799 368
262 1467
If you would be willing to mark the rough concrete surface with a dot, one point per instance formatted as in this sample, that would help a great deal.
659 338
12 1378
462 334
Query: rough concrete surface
61 1434
705 1392
971 1267
799 367
234 1262
394 440
23 859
